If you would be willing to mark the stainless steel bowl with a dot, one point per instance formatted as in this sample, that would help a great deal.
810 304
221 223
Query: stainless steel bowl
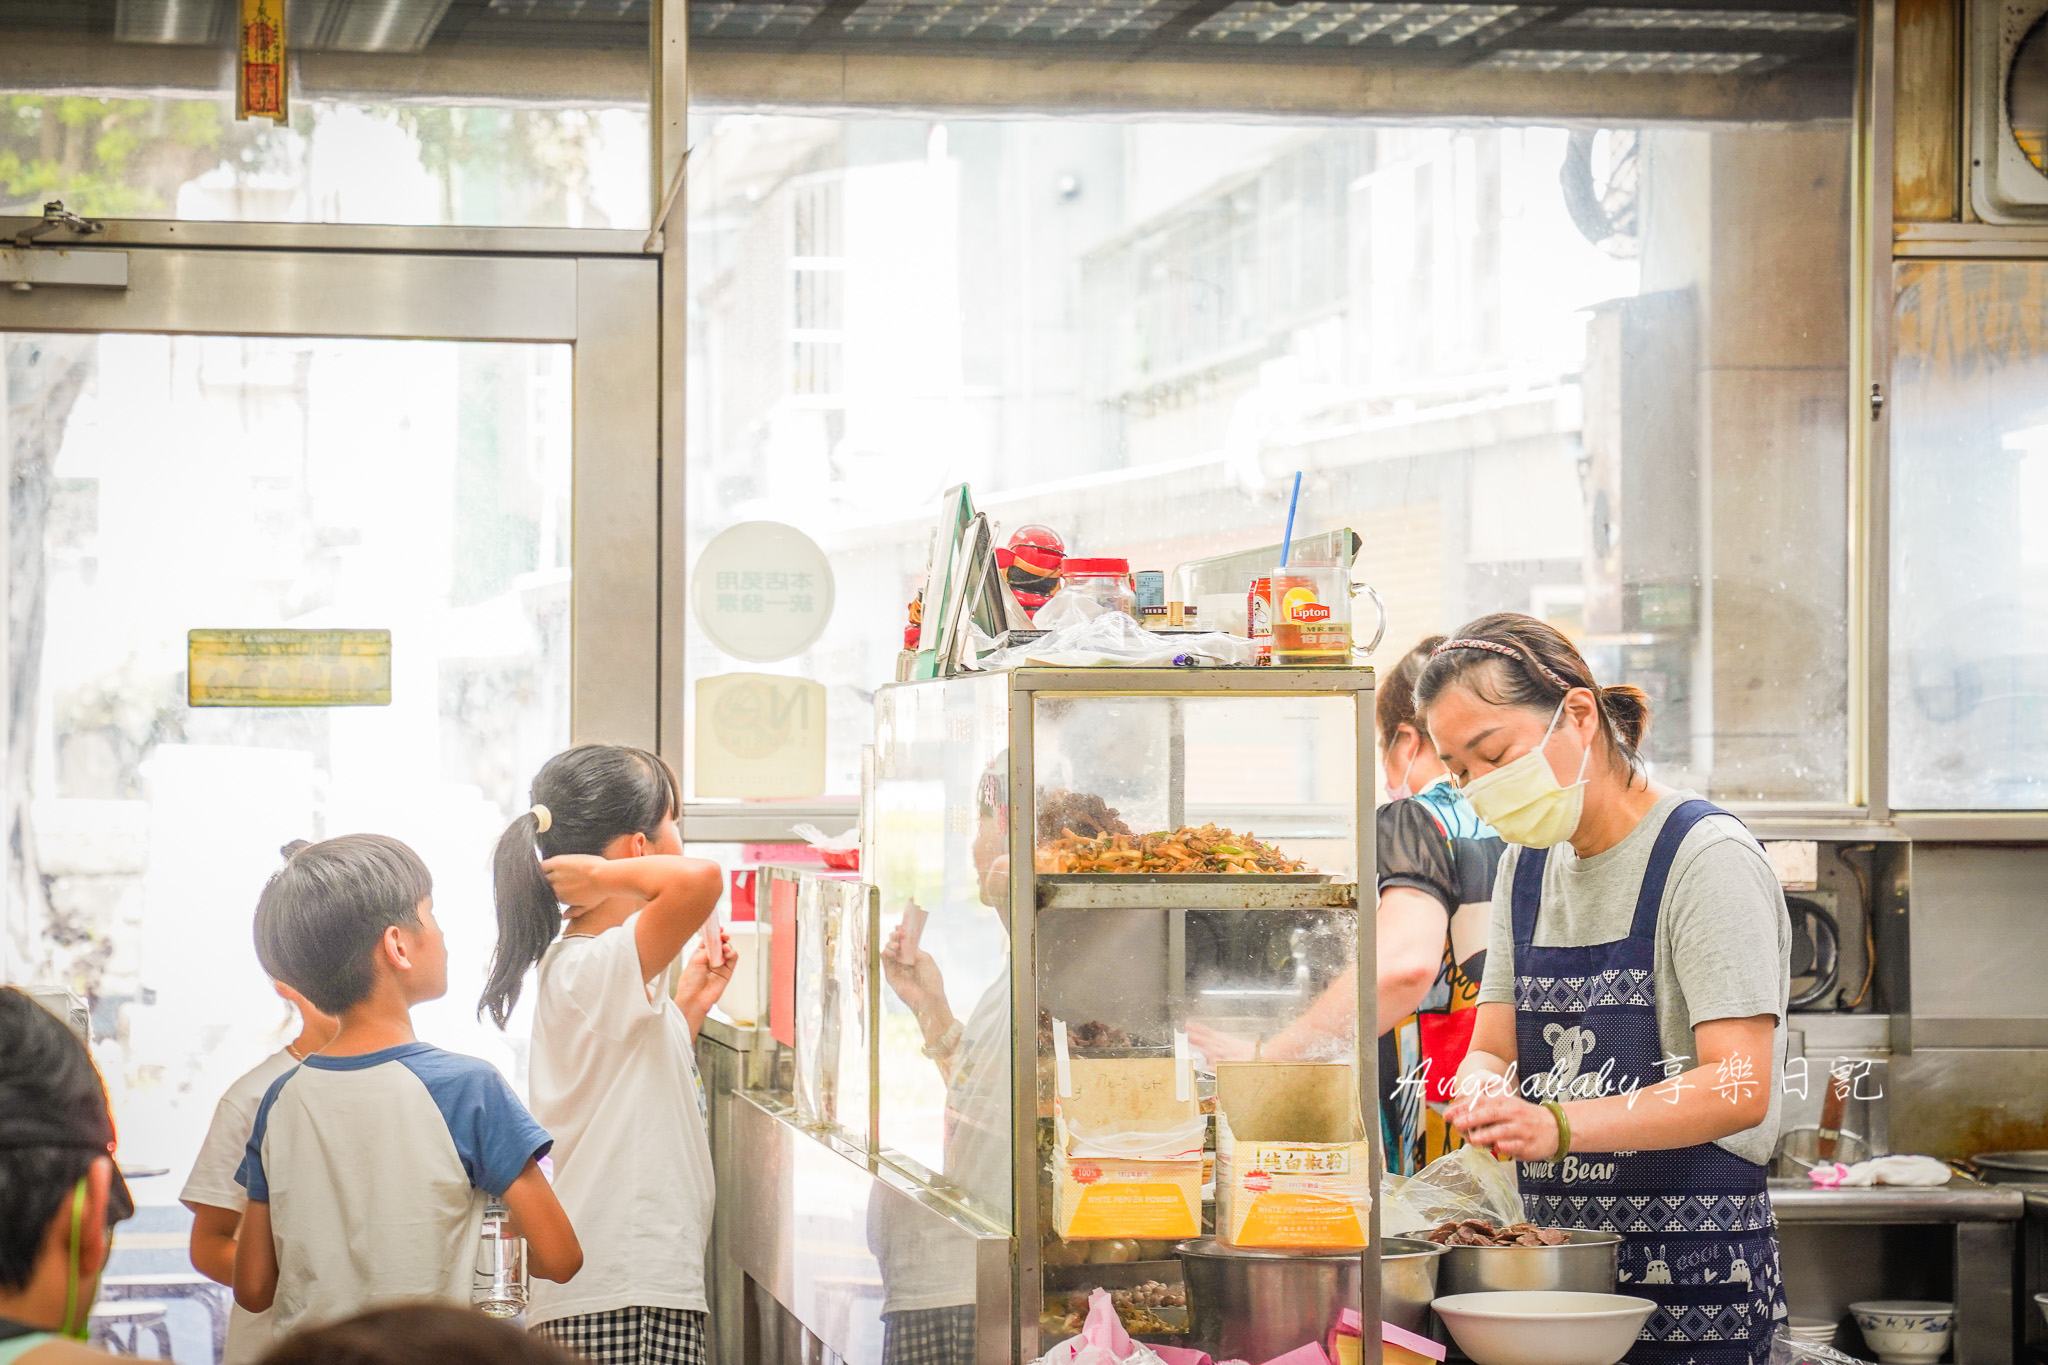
1408 1267
1248 1304
1799 1151
1587 1263
2010 1168
1245 1304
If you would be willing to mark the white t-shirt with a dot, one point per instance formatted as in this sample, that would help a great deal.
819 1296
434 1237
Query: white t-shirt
213 1184
377 1169
613 1076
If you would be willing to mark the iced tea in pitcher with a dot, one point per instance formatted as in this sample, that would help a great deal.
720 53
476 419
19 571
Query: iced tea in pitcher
1311 615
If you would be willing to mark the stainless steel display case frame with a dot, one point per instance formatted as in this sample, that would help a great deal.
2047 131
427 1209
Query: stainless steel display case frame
1028 896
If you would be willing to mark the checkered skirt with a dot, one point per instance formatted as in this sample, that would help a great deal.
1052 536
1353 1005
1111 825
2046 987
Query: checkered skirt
634 1336
929 1336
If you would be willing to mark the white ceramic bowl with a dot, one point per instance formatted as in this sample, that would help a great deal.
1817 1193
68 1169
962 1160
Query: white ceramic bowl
1812 1330
1906 1331
1543 1326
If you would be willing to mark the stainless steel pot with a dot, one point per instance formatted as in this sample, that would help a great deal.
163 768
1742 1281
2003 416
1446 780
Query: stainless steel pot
1254 1305
1588 1262
1246 1304
1408 1269
2012 1168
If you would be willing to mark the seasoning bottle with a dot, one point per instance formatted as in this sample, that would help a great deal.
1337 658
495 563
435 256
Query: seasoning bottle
1105 581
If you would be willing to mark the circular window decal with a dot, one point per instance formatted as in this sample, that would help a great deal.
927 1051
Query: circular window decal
762 591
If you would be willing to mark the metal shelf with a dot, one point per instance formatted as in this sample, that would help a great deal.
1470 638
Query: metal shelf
1140 893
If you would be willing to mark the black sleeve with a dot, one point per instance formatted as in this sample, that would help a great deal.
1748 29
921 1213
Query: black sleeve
1414 852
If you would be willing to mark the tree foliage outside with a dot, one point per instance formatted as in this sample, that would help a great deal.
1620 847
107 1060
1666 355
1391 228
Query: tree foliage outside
532 167
107 157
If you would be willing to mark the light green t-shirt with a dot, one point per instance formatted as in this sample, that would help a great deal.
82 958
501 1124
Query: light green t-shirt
14 1348
1724 940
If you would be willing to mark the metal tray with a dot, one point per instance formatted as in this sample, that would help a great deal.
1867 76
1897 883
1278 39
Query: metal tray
1187 878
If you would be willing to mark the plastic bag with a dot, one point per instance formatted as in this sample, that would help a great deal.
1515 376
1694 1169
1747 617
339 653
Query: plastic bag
840 852
1115 639
1884 1170
1786 1351
1466 1184
1103 1340
1066 609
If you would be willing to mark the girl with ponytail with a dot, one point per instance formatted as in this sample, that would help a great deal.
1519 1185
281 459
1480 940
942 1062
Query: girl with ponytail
1639 944
591 886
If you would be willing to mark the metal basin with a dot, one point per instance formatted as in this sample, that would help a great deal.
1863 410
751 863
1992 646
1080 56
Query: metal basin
2012 1168
1247 1304
1254 1305
1586 1263
1799 1151
1408 1267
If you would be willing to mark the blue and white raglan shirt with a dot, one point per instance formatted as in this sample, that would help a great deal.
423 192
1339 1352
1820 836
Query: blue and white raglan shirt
377 1169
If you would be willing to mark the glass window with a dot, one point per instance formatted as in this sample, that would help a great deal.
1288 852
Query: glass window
1969 538
526 115
942 874
168 483
1595 376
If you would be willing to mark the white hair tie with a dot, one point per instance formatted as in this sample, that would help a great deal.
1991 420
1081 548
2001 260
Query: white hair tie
543 821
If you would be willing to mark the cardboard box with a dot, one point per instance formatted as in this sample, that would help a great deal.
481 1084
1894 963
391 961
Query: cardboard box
1293 1167
1127 1155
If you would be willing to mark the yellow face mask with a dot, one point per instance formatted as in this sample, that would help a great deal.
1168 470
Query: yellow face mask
1523 800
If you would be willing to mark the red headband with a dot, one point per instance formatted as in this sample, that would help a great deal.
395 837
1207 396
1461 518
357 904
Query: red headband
1506 652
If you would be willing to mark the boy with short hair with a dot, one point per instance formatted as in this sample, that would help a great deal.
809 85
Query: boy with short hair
211 1193
371 1162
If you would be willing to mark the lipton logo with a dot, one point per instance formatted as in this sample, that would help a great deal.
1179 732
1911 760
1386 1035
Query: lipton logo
1258 1182
1311 611
1087 1173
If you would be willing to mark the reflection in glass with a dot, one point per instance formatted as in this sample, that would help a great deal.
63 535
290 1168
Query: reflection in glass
166 483
1598 377
941 783
1969 534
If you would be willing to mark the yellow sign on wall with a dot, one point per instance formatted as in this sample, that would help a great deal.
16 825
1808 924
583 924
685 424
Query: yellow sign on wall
261 80
289 667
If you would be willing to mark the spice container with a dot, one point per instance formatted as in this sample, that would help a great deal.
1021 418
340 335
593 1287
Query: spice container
1107 582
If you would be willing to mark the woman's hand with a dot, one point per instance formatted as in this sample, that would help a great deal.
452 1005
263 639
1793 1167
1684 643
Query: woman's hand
1508 1125
701 984
580 881
1220 1047
918 983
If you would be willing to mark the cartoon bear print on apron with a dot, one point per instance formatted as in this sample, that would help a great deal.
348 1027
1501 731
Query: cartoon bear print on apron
1697 1232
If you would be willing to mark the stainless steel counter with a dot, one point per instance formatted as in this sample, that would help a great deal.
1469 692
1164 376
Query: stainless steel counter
1956 1242
834 1240
1959 1201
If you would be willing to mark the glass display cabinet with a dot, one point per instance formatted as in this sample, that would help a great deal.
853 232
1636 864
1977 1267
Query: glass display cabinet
1100 892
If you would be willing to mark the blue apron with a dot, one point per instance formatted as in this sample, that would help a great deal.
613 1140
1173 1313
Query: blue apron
1698 1236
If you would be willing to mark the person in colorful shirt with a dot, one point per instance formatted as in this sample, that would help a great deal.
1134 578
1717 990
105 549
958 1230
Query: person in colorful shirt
1436 863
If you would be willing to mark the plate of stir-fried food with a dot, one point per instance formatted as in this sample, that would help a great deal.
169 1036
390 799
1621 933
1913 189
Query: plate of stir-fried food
1204 851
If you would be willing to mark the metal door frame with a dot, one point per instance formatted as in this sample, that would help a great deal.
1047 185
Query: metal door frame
607 307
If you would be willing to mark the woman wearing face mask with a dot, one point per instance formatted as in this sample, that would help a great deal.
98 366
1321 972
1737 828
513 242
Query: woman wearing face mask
1629 1031
1436 868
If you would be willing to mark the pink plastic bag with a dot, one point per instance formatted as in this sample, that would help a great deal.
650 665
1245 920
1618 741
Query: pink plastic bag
1308 1353
1103 1340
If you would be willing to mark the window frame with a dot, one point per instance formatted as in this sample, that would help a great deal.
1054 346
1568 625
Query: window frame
604 307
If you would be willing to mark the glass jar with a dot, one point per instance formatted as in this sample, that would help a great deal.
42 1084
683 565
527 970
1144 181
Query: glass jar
1106 582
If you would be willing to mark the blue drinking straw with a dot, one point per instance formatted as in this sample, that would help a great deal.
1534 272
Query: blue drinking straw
1294 500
